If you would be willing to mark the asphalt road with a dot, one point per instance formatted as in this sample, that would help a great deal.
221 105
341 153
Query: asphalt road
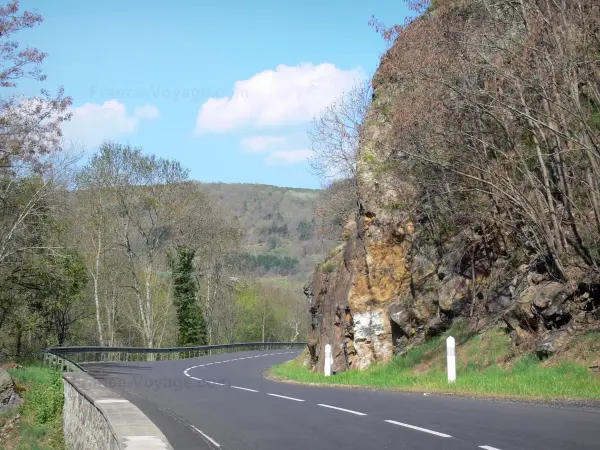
224 402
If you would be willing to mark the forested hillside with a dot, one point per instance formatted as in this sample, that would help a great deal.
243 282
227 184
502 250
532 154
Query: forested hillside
283 234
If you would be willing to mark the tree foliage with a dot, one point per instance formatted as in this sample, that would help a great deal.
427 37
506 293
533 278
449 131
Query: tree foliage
282 265
192 327
41 283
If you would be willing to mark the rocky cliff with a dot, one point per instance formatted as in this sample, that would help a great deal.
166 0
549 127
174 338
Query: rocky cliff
389 288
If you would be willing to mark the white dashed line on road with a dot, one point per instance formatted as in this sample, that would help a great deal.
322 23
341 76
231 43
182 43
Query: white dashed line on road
244 389
424 430
288 398
358 413
342 409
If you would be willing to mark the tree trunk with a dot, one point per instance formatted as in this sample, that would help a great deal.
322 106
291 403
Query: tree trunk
264 319
136 284
208 314
19 340
149 325
96 275
110 317
472 283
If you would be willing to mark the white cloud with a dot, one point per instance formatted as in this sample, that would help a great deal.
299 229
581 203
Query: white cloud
146 112
94 123
260 144
288 157
285 95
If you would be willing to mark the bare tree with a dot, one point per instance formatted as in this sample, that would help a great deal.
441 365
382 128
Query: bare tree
506 140
335 134
334 207
29 131
215 245
152 209
335 137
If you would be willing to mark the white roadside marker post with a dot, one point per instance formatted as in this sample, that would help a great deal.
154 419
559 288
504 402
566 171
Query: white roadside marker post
451 354
328 360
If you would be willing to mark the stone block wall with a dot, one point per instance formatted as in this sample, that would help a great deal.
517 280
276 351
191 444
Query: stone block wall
96 418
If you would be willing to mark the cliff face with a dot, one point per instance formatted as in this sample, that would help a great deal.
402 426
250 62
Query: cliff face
350 296
388 288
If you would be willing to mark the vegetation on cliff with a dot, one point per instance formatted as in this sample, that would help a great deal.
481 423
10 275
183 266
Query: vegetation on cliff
475 169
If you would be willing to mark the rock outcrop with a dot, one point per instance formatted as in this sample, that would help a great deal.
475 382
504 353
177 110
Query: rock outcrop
8 395
374 299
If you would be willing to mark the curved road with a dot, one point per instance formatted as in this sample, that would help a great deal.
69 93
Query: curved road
224 402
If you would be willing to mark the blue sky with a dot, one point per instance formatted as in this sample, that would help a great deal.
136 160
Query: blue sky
227 88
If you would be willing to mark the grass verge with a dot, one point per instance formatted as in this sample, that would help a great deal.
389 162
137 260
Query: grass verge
486 366
40 425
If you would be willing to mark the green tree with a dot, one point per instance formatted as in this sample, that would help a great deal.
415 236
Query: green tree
305 228
259 316
192 327
66 281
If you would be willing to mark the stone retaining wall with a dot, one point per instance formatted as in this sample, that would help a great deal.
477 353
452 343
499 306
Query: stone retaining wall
96 418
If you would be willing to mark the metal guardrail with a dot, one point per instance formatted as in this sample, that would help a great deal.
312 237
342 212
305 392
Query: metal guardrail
73 359
60 363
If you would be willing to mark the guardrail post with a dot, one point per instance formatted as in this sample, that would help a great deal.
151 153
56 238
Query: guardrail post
328 360
451 356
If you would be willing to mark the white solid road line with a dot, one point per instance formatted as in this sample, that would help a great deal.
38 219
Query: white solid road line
288 398
244 389
342 409
424 430
215 443
487 447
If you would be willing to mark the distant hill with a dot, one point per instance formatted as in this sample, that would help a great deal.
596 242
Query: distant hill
279 226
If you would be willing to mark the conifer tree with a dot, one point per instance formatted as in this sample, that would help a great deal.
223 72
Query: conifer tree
192 326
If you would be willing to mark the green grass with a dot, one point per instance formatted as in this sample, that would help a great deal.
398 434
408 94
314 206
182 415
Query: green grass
41 411
283 282
486 366
301 194
283 249
328 266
